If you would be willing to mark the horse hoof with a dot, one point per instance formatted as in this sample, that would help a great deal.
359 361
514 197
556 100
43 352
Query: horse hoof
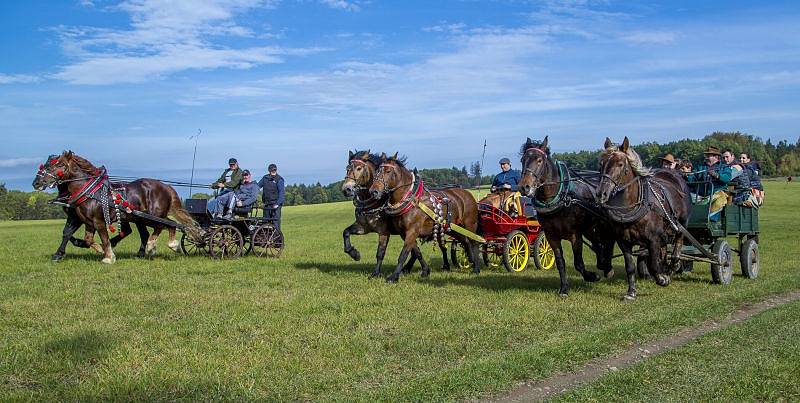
563 295
109 260
141 254
391 280
175 246
445 268
97 248
629 297
591 277
425 274
663 280
609 274
375 274
354 254
476 272
57 258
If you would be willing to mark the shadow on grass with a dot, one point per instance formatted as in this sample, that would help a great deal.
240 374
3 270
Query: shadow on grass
85 346
86 256
333 268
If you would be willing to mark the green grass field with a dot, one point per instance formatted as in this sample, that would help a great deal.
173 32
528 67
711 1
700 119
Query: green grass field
312 326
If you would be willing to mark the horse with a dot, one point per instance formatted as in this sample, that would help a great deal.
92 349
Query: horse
360 173
646 208
408 198
566 210
97 202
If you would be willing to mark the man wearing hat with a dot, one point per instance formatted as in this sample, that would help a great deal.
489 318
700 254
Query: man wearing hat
244 197
711 179
273 194
507 179
668 162
230 179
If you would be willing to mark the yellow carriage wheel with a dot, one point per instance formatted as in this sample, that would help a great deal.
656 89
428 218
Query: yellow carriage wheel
516 251
544 258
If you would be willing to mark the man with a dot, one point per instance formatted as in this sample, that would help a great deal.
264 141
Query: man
245 196
668 162
711 179
272 194
230 179
507 179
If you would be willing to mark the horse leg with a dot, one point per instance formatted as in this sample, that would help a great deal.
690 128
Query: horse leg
630 270
445 260
415 255
124 230
173 243
654 264
143 235
472 253
675 262
88 237
562 267
150 250
72 225
348 247
383 241
109 257
408 246
604 253
577 256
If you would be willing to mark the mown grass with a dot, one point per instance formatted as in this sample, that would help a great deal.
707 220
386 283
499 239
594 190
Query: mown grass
311 325
756 360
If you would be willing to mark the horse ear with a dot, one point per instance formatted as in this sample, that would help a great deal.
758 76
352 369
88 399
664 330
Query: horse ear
607 143
351 155
383 156
544 143
529 141
394 157
625 145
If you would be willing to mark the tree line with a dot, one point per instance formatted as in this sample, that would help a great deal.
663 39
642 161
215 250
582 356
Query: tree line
781 159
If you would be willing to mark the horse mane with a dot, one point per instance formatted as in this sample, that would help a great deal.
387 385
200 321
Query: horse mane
401 161
84 164
535 143
633 159
373 158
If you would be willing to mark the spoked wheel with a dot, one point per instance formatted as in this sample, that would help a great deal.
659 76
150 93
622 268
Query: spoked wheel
544 256
722 273
748 258
192 248
491 258
267 241
459 256
226 243
516 251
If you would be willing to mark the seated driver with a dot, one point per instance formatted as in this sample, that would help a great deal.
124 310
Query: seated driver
508 180
245 196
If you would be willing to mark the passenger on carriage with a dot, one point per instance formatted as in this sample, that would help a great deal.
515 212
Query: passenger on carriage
754 170
240 201
710 180
230 179
668 162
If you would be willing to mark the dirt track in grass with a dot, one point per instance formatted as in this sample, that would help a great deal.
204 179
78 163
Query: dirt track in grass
550 387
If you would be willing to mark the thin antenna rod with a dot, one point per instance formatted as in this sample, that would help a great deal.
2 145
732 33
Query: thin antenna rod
194 156
483 159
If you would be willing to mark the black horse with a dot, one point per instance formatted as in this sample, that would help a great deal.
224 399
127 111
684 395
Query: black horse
370 216
645 208
566 209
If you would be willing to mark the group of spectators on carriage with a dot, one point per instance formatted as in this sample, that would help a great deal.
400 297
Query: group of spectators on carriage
238 193
720 172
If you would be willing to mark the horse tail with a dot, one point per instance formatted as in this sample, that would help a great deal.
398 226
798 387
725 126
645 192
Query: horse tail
182 216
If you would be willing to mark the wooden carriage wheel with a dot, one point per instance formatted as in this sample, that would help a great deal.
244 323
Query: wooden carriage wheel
267 241
192 248
226 242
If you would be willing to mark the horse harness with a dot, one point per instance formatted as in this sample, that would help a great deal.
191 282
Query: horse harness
563 197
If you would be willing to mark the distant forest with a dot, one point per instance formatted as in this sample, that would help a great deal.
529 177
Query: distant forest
782 159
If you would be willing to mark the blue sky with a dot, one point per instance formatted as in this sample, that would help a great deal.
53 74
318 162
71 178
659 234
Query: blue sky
299 82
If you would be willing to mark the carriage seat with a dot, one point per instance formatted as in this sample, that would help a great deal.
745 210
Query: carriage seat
243 211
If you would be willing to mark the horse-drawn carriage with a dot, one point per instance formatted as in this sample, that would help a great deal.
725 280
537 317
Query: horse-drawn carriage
510 240
244 234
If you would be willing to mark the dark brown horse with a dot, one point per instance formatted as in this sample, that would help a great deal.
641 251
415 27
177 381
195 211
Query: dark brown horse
407 194
566 210
644 207
370 215
92 197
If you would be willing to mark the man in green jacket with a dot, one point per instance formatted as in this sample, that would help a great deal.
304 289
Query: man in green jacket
231 179
711 179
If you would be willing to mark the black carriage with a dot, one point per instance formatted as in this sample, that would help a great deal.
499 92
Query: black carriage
245 233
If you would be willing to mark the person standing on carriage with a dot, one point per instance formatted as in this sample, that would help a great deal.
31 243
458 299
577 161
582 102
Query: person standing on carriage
272 194
711 179
507 179
230 179
244 197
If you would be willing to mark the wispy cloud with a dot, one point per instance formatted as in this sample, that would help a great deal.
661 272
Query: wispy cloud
15 162
166 37
649 37
18 78
342 4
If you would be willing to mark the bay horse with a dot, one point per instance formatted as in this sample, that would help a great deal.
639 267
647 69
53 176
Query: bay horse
93 199
645 208
566 210
361 167
407 199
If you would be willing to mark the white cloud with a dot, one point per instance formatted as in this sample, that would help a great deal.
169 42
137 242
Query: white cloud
649 37
18 78
15 162
342 4
166 37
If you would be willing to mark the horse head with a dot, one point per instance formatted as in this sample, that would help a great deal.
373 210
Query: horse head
535 164
389 176
620 166
54 170
360 172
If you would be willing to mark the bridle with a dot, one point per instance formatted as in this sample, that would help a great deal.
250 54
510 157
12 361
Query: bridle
379 176
625 171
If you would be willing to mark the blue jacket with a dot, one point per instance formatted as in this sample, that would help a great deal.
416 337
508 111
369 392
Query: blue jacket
274 192
247 193
510 177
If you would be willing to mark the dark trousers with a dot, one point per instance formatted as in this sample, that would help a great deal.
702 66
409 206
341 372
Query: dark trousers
274 215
